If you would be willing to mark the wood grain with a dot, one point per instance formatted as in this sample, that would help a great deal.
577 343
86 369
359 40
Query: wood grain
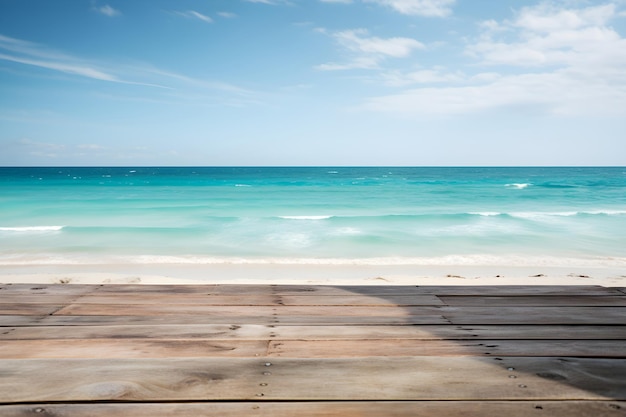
284 350
325 409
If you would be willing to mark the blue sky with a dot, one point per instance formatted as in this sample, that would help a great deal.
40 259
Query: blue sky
312 82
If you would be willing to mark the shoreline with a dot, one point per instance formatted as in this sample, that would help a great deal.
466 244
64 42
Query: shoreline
262 274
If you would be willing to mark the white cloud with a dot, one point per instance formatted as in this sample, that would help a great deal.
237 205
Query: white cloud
90 147
559 93
192 14
548 36
107 10
561 61
227 15
357 40
423 76
546 17
369 51
427 8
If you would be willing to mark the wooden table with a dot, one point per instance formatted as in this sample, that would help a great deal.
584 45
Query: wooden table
297 350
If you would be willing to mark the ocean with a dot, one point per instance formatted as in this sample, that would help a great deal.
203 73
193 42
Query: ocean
521 216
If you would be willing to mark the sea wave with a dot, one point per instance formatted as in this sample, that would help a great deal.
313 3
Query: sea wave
32 229
305 217
519 186
539 214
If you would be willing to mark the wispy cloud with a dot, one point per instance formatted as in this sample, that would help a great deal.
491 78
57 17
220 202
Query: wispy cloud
427 8
368 51
177 86
227 15
564 60
29 53
107 10
192 14
270 2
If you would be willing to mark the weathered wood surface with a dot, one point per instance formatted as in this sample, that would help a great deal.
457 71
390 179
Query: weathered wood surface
530 301
280 350
262 300
310 379
326 409
317 332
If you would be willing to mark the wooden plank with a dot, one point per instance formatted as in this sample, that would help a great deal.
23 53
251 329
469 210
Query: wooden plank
437 332
326 409
382 290
47 289
180 348
259 300
37 299
25 309
393 300
345 290
535 315
95 320
311 332
527 301
519 290
171 331
237 320
315 290
546 331
182 299
130 348
184 319
8 320
413 378
158 289
326 320
412 347
223 311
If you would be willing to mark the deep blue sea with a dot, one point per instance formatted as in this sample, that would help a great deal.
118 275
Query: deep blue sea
344 215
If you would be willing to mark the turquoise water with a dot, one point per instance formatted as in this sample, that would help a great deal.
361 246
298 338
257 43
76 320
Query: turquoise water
312 215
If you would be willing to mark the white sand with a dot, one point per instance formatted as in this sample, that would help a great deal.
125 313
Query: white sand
314 274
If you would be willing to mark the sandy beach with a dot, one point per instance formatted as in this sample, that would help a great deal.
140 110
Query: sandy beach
315 274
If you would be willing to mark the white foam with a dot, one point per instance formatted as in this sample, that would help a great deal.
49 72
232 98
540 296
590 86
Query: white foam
305 217
519 186
243 185
32 229
606 212
469 260
543 215
486 213
347 231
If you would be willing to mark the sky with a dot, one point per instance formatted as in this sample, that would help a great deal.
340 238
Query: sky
312 82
